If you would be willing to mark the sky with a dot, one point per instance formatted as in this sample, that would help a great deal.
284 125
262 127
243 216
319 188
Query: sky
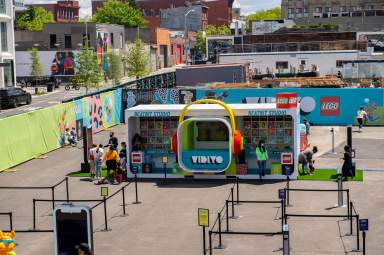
247 6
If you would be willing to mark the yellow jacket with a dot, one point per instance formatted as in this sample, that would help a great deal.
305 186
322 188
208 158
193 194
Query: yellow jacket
111 155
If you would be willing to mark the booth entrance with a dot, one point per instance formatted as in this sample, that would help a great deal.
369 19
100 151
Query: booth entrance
212 140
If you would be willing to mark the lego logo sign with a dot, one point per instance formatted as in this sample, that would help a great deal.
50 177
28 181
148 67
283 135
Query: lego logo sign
286 100
330 106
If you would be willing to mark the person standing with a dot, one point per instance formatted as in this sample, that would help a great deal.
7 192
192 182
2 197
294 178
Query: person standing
262 157
111 159
98 158
92 164
113 141
361 116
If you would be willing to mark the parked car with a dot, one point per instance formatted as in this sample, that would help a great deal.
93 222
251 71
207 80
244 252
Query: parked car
13 97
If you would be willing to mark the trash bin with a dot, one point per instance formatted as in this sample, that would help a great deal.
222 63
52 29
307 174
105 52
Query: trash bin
49 87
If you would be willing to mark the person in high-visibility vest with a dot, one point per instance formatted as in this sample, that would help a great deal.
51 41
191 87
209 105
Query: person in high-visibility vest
262 157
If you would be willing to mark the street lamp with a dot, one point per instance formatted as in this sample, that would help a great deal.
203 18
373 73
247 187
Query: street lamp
186 34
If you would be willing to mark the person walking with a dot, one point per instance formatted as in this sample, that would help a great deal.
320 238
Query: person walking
262 157
113 141
361 117
111 159
346 169
306 160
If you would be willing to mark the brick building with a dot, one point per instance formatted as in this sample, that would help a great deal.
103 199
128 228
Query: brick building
63 11
219 12
297 9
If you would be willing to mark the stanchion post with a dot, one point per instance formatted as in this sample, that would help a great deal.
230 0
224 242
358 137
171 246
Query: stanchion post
210 242
340 191
364 242
333 140
165 172
34 214
105 214
136 192
287 194
220 241
226 212
237 190
53 197
233 204
357 233
350 218
282 214
348 204
123 192
286 240
10 221
204 246
66 188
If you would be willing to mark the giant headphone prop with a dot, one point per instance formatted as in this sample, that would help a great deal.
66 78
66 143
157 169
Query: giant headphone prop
237 138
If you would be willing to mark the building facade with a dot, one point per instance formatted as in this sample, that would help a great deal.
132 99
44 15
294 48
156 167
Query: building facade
297 9
175 19
63 11
7 44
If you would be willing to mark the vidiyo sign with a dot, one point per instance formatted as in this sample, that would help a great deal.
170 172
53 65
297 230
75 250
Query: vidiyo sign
286 100
207 159
330 106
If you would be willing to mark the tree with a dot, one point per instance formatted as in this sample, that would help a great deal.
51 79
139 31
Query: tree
120 13
271 14
36 67
34 19
115 67
88 72
137 59
210 31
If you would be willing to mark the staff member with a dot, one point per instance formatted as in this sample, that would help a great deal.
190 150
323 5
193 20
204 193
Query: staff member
262 157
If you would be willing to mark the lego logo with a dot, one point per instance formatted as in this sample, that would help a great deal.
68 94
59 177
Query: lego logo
330 106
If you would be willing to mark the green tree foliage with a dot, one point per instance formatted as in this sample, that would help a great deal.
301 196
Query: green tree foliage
88 73
137 59
115 67
120 13
34 19
36 67
210 31
271 14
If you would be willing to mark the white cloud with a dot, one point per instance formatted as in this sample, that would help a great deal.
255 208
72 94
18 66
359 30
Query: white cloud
249 6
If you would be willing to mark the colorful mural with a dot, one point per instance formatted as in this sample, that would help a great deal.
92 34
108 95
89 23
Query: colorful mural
63 63
102 49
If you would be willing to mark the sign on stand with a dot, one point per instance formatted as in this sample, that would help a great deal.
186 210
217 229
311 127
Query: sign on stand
203 217
104 191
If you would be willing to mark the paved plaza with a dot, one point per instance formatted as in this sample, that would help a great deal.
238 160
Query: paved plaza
166 220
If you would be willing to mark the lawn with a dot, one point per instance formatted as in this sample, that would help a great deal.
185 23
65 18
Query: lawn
329 175
82 174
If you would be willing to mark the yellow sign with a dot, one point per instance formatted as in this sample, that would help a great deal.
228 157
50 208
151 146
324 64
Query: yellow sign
104 191
165 160
203 217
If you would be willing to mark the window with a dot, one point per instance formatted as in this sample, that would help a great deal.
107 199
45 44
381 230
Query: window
328 9
282 65
112 39
343 8
370 7
9 79
3 8
67 41
290 10
303 62
339 63
52 41
318 10
305 12
172 48
4 38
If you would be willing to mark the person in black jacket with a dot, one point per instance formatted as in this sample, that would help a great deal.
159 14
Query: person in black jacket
346 169
113 140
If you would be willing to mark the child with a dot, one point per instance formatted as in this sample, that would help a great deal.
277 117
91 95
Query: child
99 161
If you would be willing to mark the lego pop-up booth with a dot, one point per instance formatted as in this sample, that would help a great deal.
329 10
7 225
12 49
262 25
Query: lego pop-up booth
211 139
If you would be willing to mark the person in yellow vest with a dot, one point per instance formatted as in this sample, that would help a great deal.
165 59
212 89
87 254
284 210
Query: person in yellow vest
262 157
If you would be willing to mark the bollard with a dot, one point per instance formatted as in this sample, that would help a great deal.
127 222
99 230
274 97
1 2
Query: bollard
220 246
122 190
333 140
53 198
340 202
285 240
67 189
233 204
350 218
105 214
348 204
210 242
34 214
227 217
237 190
349 136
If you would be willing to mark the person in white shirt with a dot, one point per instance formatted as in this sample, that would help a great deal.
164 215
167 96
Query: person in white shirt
361 116
97 158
